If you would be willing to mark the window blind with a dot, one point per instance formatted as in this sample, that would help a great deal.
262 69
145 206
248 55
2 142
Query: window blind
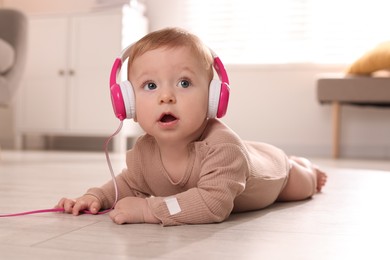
288 31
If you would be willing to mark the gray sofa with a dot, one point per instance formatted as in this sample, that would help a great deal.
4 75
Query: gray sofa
13 45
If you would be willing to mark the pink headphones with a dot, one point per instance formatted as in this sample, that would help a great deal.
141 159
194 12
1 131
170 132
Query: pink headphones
123 100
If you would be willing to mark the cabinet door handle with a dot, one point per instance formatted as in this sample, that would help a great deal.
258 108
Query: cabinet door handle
61 72
72 72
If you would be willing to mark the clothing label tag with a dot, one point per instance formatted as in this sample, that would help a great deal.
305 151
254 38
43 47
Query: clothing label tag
173 205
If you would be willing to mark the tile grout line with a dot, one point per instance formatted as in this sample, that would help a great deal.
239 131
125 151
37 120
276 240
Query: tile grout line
60 235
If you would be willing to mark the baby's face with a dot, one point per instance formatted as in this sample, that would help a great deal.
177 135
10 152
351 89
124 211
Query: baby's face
171 89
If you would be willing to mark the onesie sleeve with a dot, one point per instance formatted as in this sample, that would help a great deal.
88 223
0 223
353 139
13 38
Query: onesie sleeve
106 193
130 183
222 176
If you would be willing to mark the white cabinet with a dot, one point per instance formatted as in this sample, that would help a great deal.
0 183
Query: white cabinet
65 87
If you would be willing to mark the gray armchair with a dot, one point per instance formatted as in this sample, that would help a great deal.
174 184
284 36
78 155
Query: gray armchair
13 45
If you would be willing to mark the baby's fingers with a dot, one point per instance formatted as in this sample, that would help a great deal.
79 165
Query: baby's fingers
86 205
66 204
94 207
79 206
119 217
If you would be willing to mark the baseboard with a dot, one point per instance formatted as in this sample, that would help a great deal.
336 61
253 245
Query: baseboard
346 151
76 143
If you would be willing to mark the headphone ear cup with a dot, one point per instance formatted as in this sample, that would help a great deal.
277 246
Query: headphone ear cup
128 98
117 101
214 94
223 100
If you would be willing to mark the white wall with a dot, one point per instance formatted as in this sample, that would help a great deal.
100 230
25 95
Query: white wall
278 105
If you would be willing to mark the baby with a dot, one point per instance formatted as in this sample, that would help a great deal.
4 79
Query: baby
189 167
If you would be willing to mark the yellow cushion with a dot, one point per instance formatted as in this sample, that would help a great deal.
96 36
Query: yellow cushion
374 60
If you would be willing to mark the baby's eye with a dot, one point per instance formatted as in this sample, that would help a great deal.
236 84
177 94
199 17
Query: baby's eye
150 86
184 83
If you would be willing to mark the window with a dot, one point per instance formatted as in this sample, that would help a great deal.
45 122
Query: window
288 31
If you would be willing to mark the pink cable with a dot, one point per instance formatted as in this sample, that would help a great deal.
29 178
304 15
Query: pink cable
32 212
84 211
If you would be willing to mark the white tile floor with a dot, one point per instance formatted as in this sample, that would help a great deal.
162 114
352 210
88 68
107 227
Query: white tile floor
350 219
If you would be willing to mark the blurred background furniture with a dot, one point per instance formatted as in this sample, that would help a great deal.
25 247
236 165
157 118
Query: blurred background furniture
339 90
64 91
13 45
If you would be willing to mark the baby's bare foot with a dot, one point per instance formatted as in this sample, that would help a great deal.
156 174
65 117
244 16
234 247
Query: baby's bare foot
321 178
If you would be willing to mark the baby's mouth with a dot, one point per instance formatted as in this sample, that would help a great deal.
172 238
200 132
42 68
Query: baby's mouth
166 118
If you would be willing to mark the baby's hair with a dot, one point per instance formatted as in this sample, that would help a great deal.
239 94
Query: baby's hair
172 38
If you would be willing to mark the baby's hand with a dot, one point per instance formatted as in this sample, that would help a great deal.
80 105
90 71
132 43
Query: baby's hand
86 202
132 210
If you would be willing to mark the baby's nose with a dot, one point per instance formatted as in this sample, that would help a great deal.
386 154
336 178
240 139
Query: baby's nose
167 98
